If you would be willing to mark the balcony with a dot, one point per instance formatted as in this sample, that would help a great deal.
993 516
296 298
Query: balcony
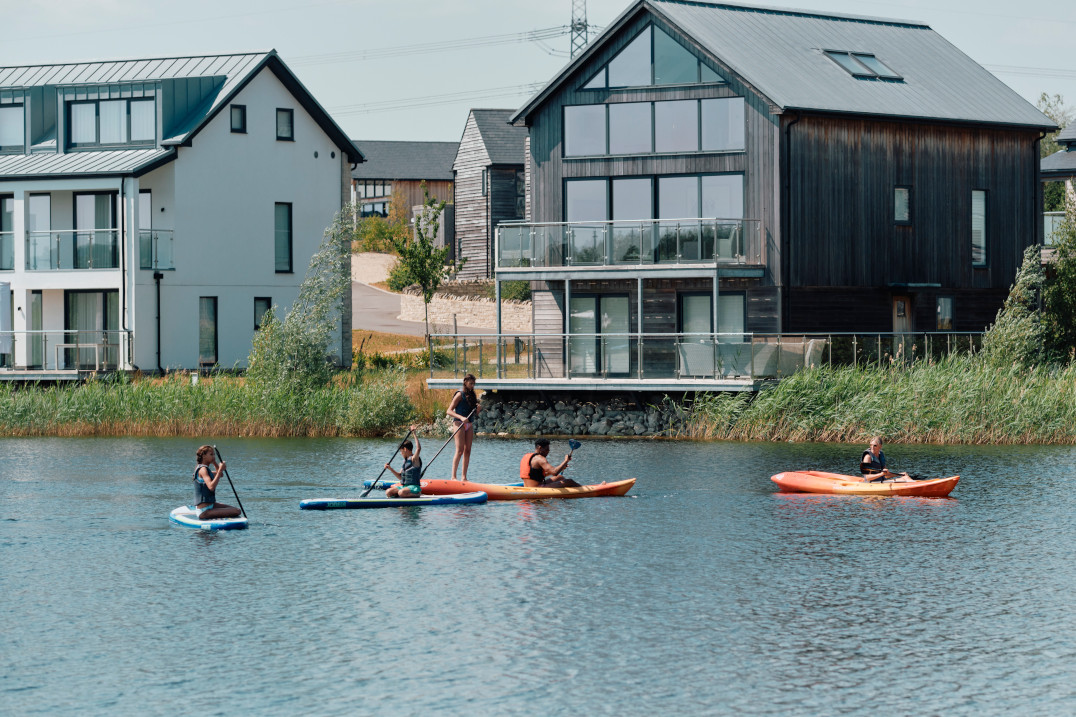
651 243
59 354
72 249
155 250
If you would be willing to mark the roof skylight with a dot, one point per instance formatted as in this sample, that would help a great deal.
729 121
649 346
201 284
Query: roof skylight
862 65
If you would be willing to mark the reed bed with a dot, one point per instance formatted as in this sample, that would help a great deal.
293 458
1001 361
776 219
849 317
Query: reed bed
958 400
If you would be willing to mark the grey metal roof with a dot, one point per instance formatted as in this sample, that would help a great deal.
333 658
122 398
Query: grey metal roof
1067 135
780 53
81 164
504 143
1059 164
405 160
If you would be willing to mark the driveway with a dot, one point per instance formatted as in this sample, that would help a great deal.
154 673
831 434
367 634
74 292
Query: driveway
373 309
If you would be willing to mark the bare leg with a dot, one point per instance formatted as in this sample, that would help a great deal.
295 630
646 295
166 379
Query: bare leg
467 441
460 438
219 510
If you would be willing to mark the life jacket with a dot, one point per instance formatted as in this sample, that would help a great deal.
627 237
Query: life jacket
465 407
877 463
202 494
529 472
411 472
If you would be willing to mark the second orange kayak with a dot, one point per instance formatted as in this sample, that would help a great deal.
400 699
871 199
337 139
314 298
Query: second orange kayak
496 491
820 482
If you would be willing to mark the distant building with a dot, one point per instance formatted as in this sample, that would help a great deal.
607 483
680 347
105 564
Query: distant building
401 168
152 210
490 186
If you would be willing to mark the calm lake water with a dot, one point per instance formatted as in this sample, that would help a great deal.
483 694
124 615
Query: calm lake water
702 592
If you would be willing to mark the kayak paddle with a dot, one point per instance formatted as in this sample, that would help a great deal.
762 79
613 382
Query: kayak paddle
376 480
221 459
446 443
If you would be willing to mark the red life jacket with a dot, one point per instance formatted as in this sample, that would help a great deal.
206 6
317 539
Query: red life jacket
525 468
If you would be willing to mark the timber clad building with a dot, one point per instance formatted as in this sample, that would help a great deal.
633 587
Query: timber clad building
400 168
706 168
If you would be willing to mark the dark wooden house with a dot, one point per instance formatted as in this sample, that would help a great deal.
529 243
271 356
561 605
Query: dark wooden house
490 186
710 168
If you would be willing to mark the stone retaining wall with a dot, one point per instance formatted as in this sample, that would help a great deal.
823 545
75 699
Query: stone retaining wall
476 313
613 416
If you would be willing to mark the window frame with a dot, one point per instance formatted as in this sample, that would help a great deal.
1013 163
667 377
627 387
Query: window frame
12 148
215 302
290 239
897 221
985 263
851 62
291 121
242 128
681 295
97 144
268 305
591 82
937 312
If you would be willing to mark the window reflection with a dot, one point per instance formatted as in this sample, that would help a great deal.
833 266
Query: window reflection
632 66
676 126
629 128
584 130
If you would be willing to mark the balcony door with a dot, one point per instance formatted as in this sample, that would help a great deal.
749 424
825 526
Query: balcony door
722 199
95 245
91 317
593 349
41 248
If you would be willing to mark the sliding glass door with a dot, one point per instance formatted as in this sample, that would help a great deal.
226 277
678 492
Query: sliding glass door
593 348
91 320
95 243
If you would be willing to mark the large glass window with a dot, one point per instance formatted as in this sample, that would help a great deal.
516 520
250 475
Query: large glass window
83 123
731 313
143 120
585 201
584 130
723 124
632 66
112 122
696 313
12 128
599 351
207 331
978 227
678 208
282 248
676 126
629 128
673 63
722 196
632 211
653 58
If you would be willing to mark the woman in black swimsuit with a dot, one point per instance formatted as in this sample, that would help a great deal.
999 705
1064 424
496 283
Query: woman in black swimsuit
462 410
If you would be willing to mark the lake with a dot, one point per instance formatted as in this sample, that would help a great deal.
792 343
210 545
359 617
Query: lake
701 592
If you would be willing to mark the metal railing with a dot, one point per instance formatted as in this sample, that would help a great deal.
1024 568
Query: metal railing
72 249
7 251
629 243
155 250
1051 222
679 356
62 350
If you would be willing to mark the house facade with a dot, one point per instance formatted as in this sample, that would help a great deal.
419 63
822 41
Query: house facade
705 174
490 187
400 168
153 210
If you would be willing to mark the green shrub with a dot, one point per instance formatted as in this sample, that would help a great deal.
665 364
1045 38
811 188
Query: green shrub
511 291
377 406
399 278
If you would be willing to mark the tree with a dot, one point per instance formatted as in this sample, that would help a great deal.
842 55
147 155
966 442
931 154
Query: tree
424 263
1053 193
1017 334
1059 296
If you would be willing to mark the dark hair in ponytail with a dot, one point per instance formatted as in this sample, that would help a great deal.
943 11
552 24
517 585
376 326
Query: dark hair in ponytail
469 393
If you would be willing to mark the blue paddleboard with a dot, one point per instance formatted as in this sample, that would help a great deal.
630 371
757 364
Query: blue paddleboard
334 503
385 484
187 516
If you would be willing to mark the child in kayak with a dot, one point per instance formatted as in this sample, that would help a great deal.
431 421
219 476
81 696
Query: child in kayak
205 486
410 473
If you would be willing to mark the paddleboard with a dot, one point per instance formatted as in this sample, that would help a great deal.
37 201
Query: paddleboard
386 484
187 516
334 503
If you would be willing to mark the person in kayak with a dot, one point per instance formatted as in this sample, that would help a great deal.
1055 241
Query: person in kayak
536 472
462 410
410 473
205 486
872 465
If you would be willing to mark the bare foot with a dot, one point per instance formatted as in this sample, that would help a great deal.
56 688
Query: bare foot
464 479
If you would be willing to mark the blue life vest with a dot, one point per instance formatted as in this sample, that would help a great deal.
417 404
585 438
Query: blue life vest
411 472
202 494
877 463
465 407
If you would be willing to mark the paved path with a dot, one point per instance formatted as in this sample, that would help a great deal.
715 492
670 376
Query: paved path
375 310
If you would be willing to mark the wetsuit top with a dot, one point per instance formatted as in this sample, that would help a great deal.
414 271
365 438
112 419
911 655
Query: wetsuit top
877 463
202 494
411 472
528 471
465 407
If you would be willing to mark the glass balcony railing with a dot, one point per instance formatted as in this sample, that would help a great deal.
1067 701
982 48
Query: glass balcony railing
634 243
155 249
73 249
7 251
62 350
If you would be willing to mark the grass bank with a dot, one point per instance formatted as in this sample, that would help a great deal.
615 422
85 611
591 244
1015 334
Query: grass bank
958 400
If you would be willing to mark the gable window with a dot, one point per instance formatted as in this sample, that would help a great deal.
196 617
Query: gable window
285 120
12 129
282 237
261 307
112 123
978 227
239 119
653 57
902 205
862 65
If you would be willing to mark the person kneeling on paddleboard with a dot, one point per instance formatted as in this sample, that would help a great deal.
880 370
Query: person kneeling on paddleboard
410 472
872 465
205 487
536 472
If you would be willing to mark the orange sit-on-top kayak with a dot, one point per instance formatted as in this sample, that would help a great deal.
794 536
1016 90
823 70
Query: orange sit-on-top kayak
819 482
517 492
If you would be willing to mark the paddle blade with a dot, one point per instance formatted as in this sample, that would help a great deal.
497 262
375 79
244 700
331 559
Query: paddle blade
573 444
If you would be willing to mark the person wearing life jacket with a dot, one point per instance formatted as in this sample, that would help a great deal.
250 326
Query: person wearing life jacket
536 472
205 486
410 473
872 465
463 409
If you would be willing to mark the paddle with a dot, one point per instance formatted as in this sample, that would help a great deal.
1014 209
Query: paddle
221 459
376 480
446 443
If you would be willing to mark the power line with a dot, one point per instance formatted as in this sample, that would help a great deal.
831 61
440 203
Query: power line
434 100
1032 71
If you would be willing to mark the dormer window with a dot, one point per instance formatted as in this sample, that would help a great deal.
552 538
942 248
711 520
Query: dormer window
111 123
12 129
862 65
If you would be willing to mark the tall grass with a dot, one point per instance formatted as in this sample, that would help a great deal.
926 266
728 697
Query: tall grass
958 400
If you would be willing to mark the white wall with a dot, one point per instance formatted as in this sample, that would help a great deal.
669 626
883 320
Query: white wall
218 195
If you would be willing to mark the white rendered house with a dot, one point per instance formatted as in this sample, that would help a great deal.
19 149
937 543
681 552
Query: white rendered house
152 210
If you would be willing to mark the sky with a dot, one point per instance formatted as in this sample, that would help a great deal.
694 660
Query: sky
411 69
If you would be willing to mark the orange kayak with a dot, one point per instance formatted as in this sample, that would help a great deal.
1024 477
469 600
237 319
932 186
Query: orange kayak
496 491
819 482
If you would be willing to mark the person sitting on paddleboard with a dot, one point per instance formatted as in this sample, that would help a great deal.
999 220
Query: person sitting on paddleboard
536 472
410 473
205 486
462 410
872 465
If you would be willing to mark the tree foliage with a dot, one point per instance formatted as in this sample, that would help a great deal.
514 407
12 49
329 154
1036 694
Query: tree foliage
377 233
1059 296
1017 334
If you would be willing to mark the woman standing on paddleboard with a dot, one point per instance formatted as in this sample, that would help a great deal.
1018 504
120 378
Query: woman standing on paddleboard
205 486
462 411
